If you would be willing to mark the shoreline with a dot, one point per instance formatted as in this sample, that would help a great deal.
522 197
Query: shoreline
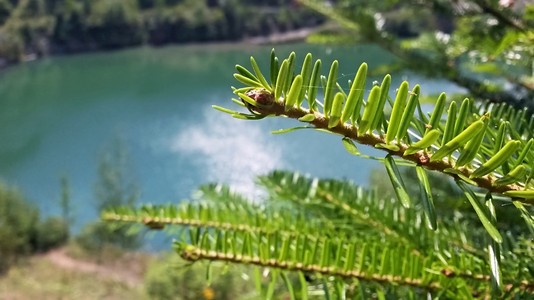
297 35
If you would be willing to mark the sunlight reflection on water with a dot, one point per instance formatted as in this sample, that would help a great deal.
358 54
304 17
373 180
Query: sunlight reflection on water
222 147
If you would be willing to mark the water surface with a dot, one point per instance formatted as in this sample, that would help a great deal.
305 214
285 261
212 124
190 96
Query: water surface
58 114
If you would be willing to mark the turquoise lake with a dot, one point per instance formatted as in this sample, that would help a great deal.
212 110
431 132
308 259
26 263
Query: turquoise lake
57 114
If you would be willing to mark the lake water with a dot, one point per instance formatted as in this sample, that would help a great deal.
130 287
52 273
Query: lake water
57 114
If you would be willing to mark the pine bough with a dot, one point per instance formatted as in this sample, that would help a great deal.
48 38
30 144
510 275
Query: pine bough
355 242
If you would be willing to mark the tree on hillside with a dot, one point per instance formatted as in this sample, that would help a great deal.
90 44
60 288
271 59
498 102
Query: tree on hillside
115 186
115 183
65 201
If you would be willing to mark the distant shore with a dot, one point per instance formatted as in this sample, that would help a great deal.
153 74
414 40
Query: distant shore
297 35
282 37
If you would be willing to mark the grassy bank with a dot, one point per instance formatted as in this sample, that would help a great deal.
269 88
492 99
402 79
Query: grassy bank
72 273
60 274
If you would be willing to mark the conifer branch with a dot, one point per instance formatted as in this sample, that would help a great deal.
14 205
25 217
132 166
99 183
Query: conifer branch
320 121
193 254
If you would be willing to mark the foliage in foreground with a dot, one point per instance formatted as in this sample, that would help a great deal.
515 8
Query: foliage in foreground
352 241
174 278
487 146
466 42
328 236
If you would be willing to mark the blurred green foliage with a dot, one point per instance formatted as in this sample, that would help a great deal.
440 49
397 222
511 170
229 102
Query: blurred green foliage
484 46
21 230
51 233
97 236
174 278
115 185
39 27
449 200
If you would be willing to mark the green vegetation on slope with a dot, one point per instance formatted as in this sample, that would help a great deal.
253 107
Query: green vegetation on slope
61 275
39 27
21 230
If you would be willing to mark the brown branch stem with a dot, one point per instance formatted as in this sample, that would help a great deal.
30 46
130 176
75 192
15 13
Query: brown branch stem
421 157
192 253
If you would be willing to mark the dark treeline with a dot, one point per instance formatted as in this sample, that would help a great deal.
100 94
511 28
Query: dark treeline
41 27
